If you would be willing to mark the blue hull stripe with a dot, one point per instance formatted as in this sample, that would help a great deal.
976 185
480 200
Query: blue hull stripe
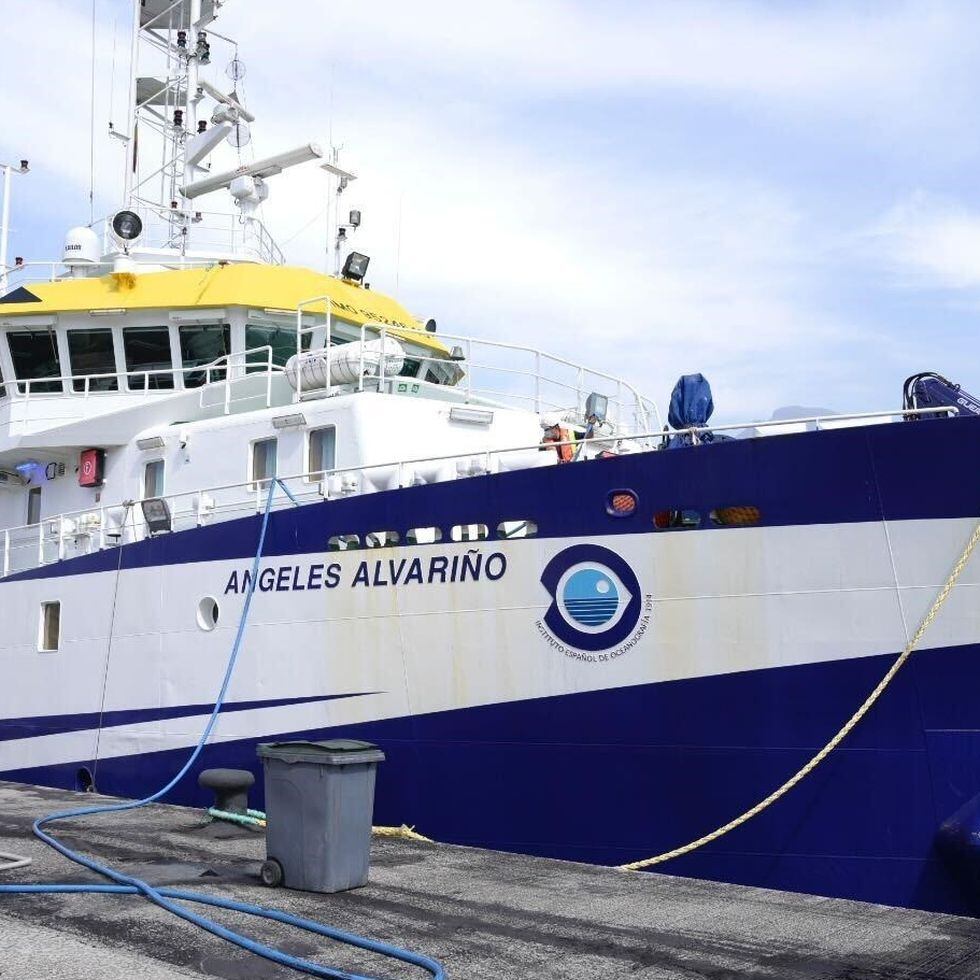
836 476
11 728
611 776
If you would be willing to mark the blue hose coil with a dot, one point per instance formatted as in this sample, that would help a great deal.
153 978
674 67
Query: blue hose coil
166 898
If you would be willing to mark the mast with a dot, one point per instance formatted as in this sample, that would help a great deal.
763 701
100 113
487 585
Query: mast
180 112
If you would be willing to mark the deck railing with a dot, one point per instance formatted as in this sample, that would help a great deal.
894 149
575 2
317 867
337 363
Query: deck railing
511 375
110 525
225 374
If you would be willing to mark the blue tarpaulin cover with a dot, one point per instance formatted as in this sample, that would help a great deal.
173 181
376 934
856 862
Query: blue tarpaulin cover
690 405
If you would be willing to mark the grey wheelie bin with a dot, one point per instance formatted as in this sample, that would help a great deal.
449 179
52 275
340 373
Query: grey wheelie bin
319 799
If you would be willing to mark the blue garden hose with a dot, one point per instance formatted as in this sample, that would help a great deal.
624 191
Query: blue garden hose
167 898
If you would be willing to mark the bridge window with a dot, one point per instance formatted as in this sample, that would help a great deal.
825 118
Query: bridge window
148 358
282 340
200 346
91 353
321 454
35 355
3 390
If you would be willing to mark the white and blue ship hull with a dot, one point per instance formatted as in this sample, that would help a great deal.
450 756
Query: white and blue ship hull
715 663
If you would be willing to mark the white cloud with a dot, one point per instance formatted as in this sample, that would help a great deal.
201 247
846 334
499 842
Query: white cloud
835 53
501 233
930 240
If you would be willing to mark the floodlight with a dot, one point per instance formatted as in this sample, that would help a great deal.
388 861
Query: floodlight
156 513
354 219
127 226
596 406
355 267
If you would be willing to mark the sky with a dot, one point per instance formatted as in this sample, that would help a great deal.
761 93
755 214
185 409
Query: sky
784 196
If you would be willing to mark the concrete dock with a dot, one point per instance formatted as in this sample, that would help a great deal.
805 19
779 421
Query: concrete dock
483 914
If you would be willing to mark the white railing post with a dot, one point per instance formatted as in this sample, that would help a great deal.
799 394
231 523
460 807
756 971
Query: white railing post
360 364
384 359
537 381
101 528
269 364
469 369
6 553
40 542
298 392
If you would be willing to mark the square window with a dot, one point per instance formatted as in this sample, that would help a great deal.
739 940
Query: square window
34 505
263 461
91 353
148 359
321 451
200 346
49 628
35 355
153 474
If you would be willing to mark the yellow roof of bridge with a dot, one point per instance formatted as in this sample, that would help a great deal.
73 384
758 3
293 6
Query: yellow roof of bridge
268 287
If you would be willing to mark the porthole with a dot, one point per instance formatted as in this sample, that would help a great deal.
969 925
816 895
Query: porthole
381 539
469 532
735 516
674 520
207 613
508 530
423 535
621 503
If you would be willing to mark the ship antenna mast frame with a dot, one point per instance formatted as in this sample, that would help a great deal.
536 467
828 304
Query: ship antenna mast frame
176 36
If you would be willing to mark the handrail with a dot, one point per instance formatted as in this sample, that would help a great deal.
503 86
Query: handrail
222 363
253 488
640 404
578 388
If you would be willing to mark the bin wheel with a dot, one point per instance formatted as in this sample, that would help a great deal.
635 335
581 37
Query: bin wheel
271 873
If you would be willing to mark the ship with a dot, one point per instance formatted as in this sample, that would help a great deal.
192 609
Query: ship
573 629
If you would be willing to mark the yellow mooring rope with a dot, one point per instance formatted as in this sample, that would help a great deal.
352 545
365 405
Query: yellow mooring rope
404 832
839 737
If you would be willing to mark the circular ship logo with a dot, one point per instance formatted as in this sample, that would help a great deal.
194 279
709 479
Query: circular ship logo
595 597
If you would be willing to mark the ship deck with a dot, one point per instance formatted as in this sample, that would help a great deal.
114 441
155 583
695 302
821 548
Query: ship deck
483 914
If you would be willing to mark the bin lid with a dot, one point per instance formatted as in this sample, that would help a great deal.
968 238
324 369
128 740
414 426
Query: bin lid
329 752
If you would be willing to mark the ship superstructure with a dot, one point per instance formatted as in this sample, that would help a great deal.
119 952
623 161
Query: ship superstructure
572 632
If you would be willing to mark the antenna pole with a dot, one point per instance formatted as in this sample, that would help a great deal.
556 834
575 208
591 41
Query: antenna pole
5 217
132 108
4 228
190 115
